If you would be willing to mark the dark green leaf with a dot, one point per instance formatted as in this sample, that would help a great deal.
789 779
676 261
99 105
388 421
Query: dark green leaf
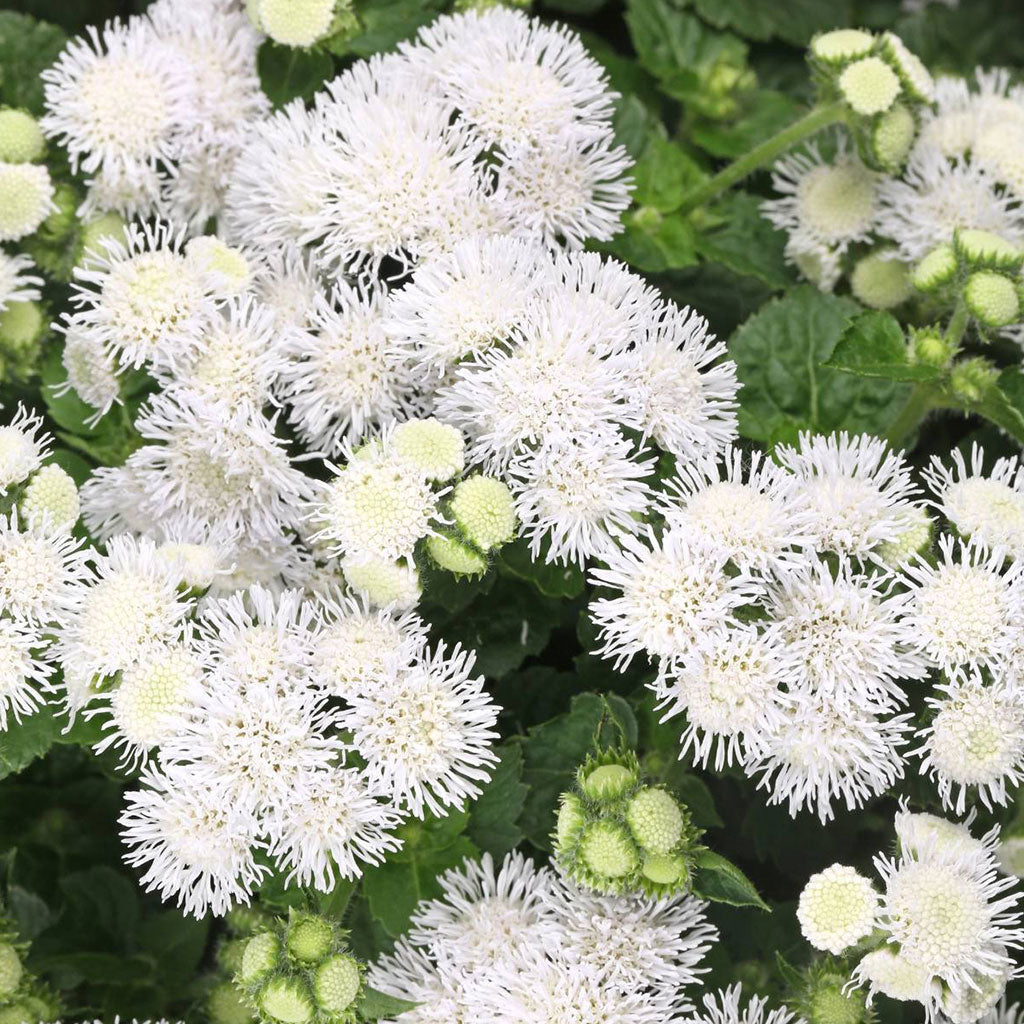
795 22
287 73
873 345
720 881
374 1005
779 352
998 405
175 942
493 815
30 912
664 175
761 116
383 24
27 47
22 742
103 904
550 578
653 243
745 242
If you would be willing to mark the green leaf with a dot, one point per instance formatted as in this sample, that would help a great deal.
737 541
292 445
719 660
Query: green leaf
383 24
999 406
664 175
30 912
551 753
762 114
374 1005
550 578
795 21
27 47
175 942
653 243
720 881
873 345
102 904
779 353
745 242
493 815
22 742
287 73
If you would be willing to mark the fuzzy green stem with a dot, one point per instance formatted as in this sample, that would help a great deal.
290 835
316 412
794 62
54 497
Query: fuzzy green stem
922 399
956 327
810 124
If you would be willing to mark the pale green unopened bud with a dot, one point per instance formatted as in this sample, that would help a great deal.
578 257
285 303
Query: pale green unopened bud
10 970
432 446
288 1000
608 850
655 820
913 75
608 782
22 324
105 226
384 583
665 871
992 298
20 1012
985 250
881 281
260 957
892 137
51 494
229 955
21 139
336 983
869 86
971 380
936 270
828 1000
226 1005
842 45
294 22
929 347
227 266
308 938
571 818
914 536
483 510
453 556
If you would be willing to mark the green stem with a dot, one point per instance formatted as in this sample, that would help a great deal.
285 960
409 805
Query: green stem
956 327
921 401
811 123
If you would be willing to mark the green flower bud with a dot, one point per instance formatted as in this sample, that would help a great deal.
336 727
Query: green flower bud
308 938
294 22
929 347
665 871
26 199
432 446
608 782
336 983
914 536
21 139
936 270
22 324
105 226
383 583
869 86
571 818
288 1000
985 250
880 281
992 298
248 919
842 45
971 380
226 1005
10 970
892 137
52 494
18 1013
452 555
229 955
608 851
656 820
483 510
913 75
824 998
260 957
226 265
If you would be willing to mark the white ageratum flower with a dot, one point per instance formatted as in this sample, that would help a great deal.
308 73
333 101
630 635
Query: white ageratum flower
894 975
673 597
23 672
824 208
155 688
641 944
377 507
346 375
684 393
732 695
744 503
193 845
935 197
23 446
843 633
837 908
921 832
515 79
142 299
988 508
858 491
460 303
951 914
574 495
975 739
383 583
822 755
42 571
92 372
333 828
426 734
723 1007
966 608
17 282
85 92
26 199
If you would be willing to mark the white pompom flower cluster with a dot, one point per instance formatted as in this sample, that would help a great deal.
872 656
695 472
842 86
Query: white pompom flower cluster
790 606
512 942
940 931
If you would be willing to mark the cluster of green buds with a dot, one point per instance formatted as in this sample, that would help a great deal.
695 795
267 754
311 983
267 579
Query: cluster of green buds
618 833
301 972
882 85
980 268
23 998
821 994
225 1003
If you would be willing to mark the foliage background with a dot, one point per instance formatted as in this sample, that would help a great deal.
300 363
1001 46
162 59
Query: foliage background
701 81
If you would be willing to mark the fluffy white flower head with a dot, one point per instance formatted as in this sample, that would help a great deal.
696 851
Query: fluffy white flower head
837 908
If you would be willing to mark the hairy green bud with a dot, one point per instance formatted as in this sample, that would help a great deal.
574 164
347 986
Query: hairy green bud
992 298
287 999
308 938
260 957
11 970
655 819
336 983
